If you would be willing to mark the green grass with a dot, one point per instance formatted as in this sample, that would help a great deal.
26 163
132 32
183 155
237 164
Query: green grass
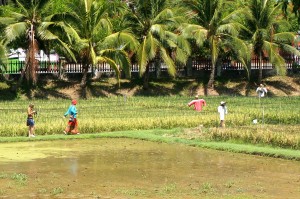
20 178
166 136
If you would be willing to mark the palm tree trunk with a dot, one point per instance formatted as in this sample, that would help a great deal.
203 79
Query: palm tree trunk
260 64
20 81
146 78
31 62
210 83
214 57
249 63
85 68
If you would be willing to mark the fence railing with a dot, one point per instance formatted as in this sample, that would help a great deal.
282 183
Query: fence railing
197 64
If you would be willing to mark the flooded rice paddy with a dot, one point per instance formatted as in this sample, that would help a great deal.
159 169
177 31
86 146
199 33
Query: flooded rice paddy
127 168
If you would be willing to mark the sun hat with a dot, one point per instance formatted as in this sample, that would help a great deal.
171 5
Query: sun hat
223 102
74 102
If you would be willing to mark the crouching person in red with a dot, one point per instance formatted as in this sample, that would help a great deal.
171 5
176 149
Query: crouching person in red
72 127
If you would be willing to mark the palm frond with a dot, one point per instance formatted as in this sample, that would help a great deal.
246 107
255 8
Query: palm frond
8 20
229 28
92 54
168 61
177 45
112 63
67 49
284 37
165 15
193 31
15 30
121 59
142 57
122 39
289 49
151 46
275 58
158 29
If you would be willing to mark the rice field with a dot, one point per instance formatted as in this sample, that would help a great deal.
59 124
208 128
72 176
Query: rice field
277 117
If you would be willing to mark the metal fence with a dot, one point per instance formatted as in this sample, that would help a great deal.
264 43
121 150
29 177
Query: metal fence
196 64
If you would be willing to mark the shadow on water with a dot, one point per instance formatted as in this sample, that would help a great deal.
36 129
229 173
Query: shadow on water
125 168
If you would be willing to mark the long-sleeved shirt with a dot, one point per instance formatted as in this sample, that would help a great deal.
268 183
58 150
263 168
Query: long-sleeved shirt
261 91
198 103
223 111
72 111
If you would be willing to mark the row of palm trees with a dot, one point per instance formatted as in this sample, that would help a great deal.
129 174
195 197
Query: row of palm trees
119 32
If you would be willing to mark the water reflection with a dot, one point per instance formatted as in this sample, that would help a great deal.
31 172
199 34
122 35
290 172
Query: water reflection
127 168
73 166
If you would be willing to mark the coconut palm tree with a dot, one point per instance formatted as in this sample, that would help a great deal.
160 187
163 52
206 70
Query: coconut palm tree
268 36
93 39
154 23
30 21
214 26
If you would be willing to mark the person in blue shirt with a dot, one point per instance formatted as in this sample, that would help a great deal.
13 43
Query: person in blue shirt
72 127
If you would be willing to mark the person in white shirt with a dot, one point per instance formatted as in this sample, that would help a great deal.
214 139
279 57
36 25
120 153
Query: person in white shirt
261 91
222 110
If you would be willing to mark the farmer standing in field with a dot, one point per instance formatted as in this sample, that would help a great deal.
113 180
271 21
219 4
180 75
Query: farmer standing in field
222 110
198 103
261 91
72 127
30 121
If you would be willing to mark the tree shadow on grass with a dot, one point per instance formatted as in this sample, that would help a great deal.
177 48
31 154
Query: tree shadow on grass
43 93
168 87
8 95
297 80
285 88
47 89
236 90
160 87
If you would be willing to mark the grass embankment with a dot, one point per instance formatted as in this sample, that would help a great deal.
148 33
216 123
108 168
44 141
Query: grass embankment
278 119
172 136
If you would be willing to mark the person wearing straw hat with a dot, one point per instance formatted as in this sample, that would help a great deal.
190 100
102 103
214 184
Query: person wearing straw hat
222 110
72 127
198 103
30 121
261 91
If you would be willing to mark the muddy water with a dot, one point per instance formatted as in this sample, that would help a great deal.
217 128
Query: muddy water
125 168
